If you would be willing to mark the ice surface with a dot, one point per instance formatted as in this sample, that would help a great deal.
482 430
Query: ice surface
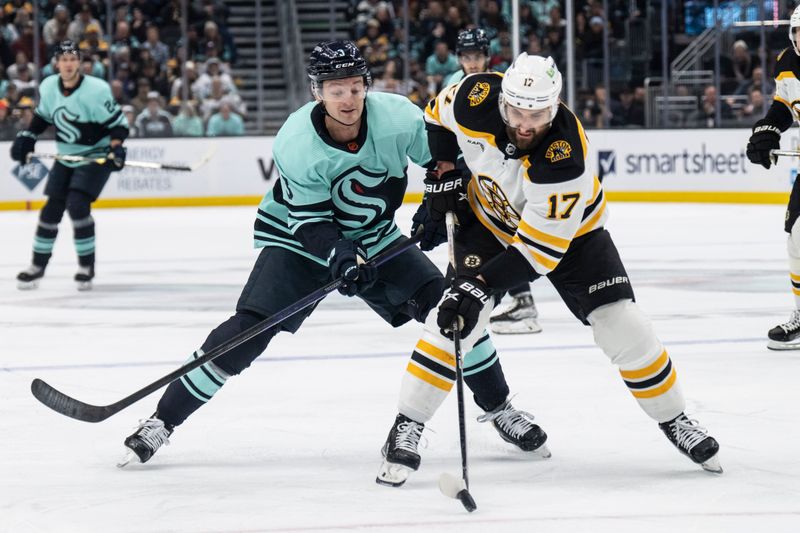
293 444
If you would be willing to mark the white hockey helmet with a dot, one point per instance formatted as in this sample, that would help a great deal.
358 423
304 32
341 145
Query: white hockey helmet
794 22
531 82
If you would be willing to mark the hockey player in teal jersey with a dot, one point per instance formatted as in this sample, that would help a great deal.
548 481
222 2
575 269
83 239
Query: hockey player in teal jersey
342 162
88 122
472 49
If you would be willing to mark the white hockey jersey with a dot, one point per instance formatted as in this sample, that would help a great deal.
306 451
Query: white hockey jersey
787 84
536 200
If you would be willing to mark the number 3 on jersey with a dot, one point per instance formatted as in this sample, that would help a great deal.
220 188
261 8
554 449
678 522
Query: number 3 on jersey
568 200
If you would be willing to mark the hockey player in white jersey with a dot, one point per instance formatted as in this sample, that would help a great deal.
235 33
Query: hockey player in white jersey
766 136
535 208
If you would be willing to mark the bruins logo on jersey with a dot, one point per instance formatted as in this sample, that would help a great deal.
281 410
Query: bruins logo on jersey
558 151
478 93
497 199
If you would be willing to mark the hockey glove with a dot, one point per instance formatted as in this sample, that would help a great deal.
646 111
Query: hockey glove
433 233
444 193
347 261
765 137
23 144
115 159
464 301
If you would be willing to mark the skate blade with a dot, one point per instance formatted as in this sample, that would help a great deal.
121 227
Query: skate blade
129 456
28 285
516 327
780 346
712 465
542 451
392 474
84 285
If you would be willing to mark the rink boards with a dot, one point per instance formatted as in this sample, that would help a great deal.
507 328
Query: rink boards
638 165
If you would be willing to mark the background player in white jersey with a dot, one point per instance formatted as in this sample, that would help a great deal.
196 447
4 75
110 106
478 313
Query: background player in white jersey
342 161
88 122
535 208
767 136
520 314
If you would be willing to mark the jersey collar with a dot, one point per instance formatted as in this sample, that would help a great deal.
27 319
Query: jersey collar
68 92
351 147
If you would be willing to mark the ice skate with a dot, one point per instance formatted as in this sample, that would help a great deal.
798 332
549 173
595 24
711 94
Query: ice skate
84 278
519 316
517 428
29 278
146 440
693 441
400 456
786 336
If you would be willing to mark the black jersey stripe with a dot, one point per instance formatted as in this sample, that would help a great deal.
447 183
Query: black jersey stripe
589 210
541 247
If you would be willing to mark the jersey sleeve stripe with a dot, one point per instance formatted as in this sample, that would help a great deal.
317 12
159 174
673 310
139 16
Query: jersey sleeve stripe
547 264
786 74
593 206
783 101
541 247
594 222
488 137
533 233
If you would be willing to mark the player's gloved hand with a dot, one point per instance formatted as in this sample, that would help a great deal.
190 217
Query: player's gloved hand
433 233
444 193
115 158
24 143
765 137
464 300
347 261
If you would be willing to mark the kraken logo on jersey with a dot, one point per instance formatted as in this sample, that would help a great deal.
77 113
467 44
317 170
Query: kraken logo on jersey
66 130
478 93
357 192
497 199
558 151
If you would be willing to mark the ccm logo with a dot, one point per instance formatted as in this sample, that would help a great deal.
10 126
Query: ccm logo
437 187
608 283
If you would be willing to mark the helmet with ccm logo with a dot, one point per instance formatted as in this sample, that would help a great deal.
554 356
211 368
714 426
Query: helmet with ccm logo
531 82
333 60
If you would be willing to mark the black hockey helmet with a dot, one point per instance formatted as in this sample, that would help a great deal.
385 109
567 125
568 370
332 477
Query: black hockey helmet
332 60
67 47
471 40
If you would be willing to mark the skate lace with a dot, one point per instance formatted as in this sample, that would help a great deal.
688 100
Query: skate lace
408 435
793 323
688 432
514 422
153 433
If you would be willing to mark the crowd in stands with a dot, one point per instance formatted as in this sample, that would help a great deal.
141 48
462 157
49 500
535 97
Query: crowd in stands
379 33
143 56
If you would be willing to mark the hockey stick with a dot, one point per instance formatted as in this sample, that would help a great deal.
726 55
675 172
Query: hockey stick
128 163
450 485
68 406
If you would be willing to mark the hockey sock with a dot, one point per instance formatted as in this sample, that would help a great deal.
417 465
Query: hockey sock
484 375
84 240
47 231
520 290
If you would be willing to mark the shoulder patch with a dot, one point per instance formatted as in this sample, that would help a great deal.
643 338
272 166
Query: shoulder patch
558 151
478 93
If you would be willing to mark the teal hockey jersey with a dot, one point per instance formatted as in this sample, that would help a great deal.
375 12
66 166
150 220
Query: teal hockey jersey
357 186
82 116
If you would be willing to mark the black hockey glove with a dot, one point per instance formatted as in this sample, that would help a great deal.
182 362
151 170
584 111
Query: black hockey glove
23 144
115 159
464 300
347 261
765 137
433 233
444 193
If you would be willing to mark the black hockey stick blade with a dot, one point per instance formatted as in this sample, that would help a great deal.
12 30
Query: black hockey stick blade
68 406
466 500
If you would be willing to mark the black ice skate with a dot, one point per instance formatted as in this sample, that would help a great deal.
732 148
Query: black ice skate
786 336
84 277
400 456
520 316
693 441
29 278
517 428
146 440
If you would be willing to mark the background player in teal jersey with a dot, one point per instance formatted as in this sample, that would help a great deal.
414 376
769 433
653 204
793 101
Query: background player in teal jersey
520 314
342 161
88 122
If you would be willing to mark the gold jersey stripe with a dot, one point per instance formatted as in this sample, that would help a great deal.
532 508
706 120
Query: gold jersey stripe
542 260
796 292
436 352
478 134
785 75
783 101
595 191
650 370
795 277
658 391
427 377
557 242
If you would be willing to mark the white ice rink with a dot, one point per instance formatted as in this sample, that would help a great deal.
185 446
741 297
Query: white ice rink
293 444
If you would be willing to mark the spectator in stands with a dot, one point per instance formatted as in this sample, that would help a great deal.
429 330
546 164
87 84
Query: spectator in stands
542 9
439 65
501 60
93 43
20 62
593 39
90 66
705 117
742 62
3 82
7 129
25 43
176 91
390 81
140 24
118 92
154 121
25 83
225 123
756 81
78 26
151 72
364 11
158 50
754 108
23 113
491 17
130 114
212 70
534 45
384 14
55 30
453 23
123 38
554 46
374 47
597 109
187 123
139 101
211 43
